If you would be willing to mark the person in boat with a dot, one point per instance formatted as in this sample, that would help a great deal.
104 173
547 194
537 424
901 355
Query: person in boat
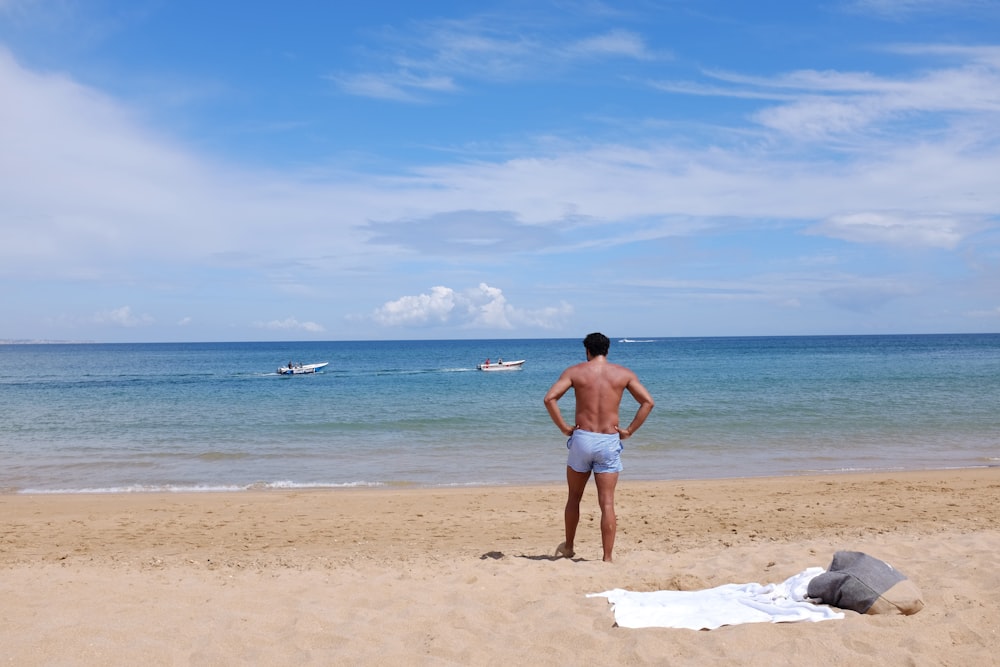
595 439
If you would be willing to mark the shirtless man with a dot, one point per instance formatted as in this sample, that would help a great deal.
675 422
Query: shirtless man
595 440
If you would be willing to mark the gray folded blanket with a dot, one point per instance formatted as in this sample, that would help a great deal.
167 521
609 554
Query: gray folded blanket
867 585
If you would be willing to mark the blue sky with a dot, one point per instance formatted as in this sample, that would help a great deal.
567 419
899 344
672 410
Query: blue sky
229 171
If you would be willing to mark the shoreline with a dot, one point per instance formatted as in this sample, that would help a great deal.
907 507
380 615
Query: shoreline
467 575
288 487
408 511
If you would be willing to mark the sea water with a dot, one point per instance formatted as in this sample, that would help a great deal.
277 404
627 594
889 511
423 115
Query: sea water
217 416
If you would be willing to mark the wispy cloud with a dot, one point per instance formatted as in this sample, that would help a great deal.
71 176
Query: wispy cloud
895 163
126 192
816 105
438 56
464 233
122 317
612 43
900 9
897 228
866 296
992 313
399 86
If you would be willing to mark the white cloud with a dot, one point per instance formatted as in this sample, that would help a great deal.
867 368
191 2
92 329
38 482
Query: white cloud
420 309
897 228
989 313
290 324
481 307
399 86
612 43
114 191
816 105
903 8
867 296
122 317
551 317
488 307
436 55
118 200
819 118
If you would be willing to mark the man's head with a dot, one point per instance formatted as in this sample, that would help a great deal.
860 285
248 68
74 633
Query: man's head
597 344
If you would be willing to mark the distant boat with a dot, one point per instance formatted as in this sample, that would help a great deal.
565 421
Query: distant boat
501 365
301 369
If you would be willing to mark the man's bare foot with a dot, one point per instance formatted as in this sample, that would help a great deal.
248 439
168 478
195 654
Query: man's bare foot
564 551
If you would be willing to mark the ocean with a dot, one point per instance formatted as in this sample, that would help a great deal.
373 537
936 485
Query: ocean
217 416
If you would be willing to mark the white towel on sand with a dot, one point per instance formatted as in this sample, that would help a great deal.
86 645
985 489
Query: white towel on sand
729 604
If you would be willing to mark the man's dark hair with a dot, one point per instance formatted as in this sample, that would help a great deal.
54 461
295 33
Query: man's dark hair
597 344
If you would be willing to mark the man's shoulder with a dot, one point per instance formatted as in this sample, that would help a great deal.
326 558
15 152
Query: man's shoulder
588 368
622 375
620 369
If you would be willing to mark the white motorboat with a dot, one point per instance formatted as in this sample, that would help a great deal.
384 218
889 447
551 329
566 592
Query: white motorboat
301 369
501 365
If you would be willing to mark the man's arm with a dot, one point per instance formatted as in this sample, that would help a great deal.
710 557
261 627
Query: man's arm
645 400
556 391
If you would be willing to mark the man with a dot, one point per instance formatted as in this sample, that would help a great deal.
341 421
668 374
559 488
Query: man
595 439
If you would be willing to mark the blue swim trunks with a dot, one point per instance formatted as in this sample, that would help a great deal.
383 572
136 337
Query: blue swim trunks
600 452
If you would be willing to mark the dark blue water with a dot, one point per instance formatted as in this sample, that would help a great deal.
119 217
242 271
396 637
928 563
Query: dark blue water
217 415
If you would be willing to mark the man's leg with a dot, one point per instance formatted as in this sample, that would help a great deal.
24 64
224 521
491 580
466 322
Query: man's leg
606 482
577 483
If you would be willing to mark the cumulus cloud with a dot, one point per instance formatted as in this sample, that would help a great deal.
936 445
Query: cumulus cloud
419 309
488 307
481 307
289 324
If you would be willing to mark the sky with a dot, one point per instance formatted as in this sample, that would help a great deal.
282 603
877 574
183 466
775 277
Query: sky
180 170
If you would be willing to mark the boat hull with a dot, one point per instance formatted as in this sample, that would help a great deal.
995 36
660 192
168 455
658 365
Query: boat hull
502 366
302 369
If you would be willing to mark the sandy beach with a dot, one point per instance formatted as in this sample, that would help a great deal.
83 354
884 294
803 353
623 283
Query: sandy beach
467 576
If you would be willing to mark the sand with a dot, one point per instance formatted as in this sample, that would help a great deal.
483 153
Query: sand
467 577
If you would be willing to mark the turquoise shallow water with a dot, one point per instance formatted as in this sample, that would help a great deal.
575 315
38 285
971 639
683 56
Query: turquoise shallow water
217 416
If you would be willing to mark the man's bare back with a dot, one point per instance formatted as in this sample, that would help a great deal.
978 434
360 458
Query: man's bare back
598 386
